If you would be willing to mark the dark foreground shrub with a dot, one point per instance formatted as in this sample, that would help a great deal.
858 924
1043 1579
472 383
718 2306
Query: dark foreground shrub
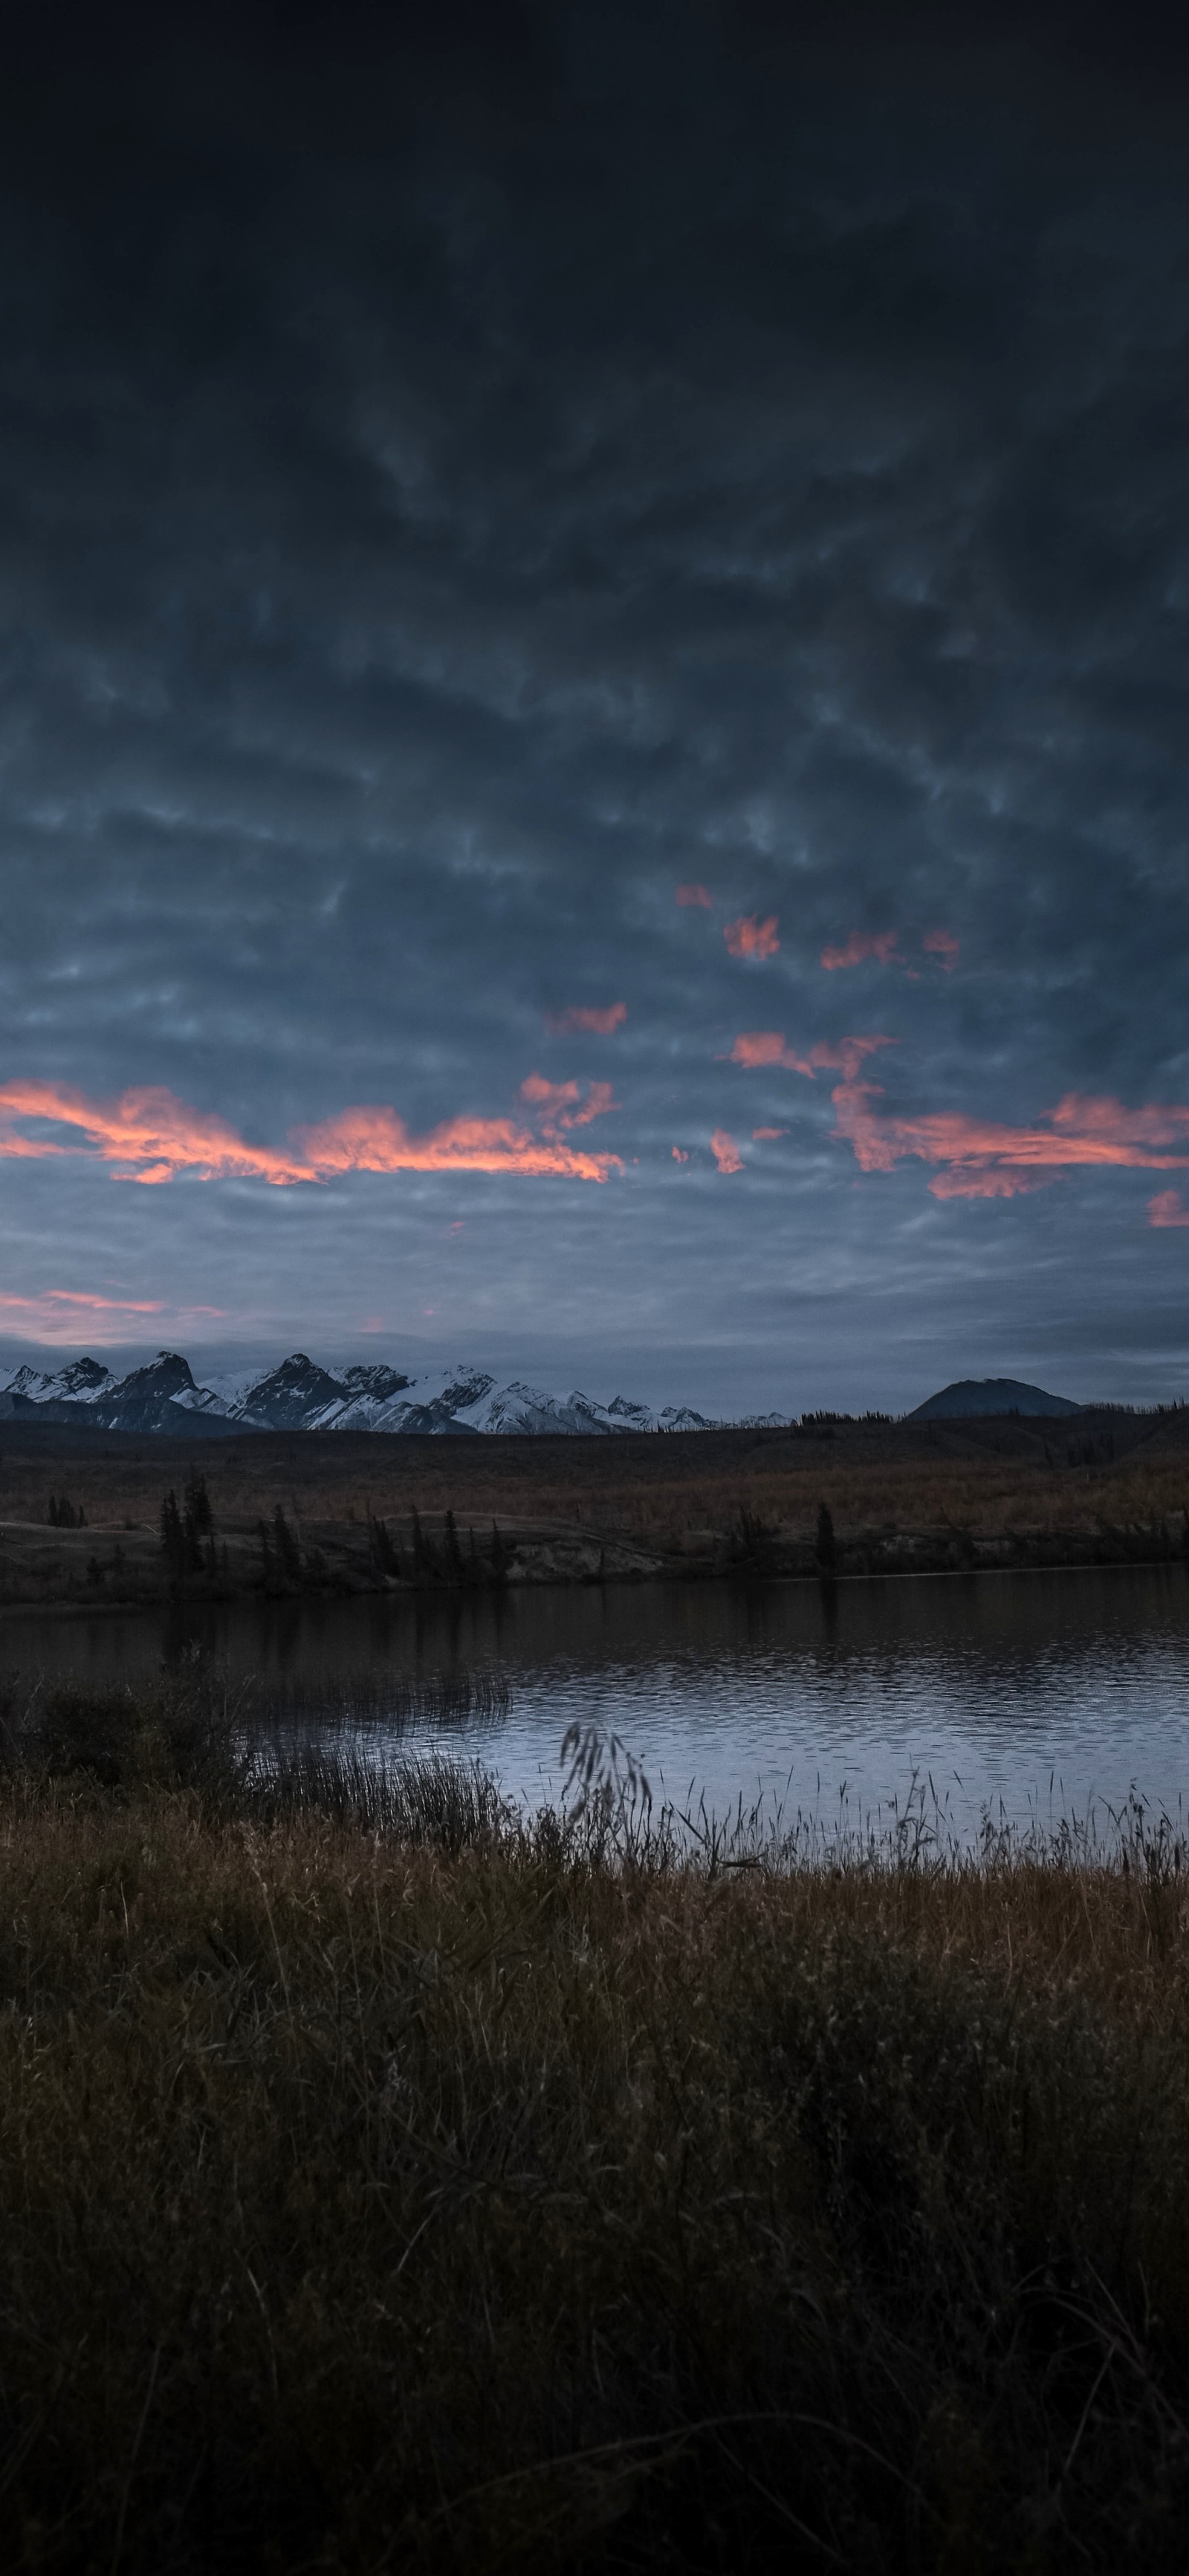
180 1730
374 2203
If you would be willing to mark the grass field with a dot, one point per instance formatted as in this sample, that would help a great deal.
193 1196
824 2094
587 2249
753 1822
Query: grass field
391 2183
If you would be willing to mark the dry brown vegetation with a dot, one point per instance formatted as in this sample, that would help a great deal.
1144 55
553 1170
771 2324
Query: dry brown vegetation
900 1494
417 2188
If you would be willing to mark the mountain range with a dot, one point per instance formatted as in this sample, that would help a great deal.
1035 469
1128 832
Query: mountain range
298 1395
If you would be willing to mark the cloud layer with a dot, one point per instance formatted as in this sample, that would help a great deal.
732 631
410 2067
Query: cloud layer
522 557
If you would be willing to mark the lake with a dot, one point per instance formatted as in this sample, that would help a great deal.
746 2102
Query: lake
1036 1694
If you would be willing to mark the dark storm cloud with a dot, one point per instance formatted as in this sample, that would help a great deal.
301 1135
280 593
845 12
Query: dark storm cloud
458 486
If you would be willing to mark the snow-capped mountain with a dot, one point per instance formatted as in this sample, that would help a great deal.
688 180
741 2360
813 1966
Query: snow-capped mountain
299 1395
82 1382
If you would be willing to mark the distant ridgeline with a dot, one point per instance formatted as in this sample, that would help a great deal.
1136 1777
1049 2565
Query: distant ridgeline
300 1396
971 1396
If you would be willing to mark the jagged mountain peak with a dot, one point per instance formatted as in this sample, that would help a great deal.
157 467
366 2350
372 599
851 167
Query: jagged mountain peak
168 1374
290 1395
374 1378
298 1394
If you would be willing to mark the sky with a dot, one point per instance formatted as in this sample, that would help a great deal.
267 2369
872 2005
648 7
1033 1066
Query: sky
594 686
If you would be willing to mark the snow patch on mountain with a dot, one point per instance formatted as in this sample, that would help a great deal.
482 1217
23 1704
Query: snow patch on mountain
80 1382
300 1395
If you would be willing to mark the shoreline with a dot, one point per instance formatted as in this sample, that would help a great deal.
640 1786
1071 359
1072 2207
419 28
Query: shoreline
72 1604
121 1524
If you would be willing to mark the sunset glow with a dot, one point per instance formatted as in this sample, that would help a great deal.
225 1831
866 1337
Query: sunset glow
861 945
752 938
560 1104
57 1315
1167 1208
599 1023
759 1047
986 1160
150 1137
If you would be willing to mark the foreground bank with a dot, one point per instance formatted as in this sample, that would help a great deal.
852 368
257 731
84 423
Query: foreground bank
389 2183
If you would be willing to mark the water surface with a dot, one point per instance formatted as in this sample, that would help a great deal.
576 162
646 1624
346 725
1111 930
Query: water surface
1036 1693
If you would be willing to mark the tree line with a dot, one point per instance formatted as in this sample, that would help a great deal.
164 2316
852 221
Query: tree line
188 1547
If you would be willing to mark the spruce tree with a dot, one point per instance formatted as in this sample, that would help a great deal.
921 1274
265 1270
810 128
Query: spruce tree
198 1520
288 1551
174 1545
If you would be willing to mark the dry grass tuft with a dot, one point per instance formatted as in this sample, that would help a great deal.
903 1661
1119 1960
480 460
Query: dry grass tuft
471 2195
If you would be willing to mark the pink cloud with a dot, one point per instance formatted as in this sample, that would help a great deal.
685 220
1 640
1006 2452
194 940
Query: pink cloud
751 938
54 1314
725 1151
983 1159
561 1105
860 945
943 945
756 1047
96 1305
1167 1209
376 1140
145 1135
149 1136
678 1156
696 894
599 1023
767 1135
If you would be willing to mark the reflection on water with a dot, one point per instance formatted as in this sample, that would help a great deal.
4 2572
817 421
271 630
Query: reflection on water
1040 1691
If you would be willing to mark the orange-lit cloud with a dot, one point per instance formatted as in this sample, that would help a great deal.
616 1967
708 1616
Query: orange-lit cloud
599 1023
752 938
146 1135
697 894
756 1047
767 1135
560 1104
149 1136
984 1160
943 945
376 1140
678 1156
725 1151
1167 1208
860 945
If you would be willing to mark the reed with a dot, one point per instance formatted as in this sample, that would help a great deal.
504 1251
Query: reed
422 2185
